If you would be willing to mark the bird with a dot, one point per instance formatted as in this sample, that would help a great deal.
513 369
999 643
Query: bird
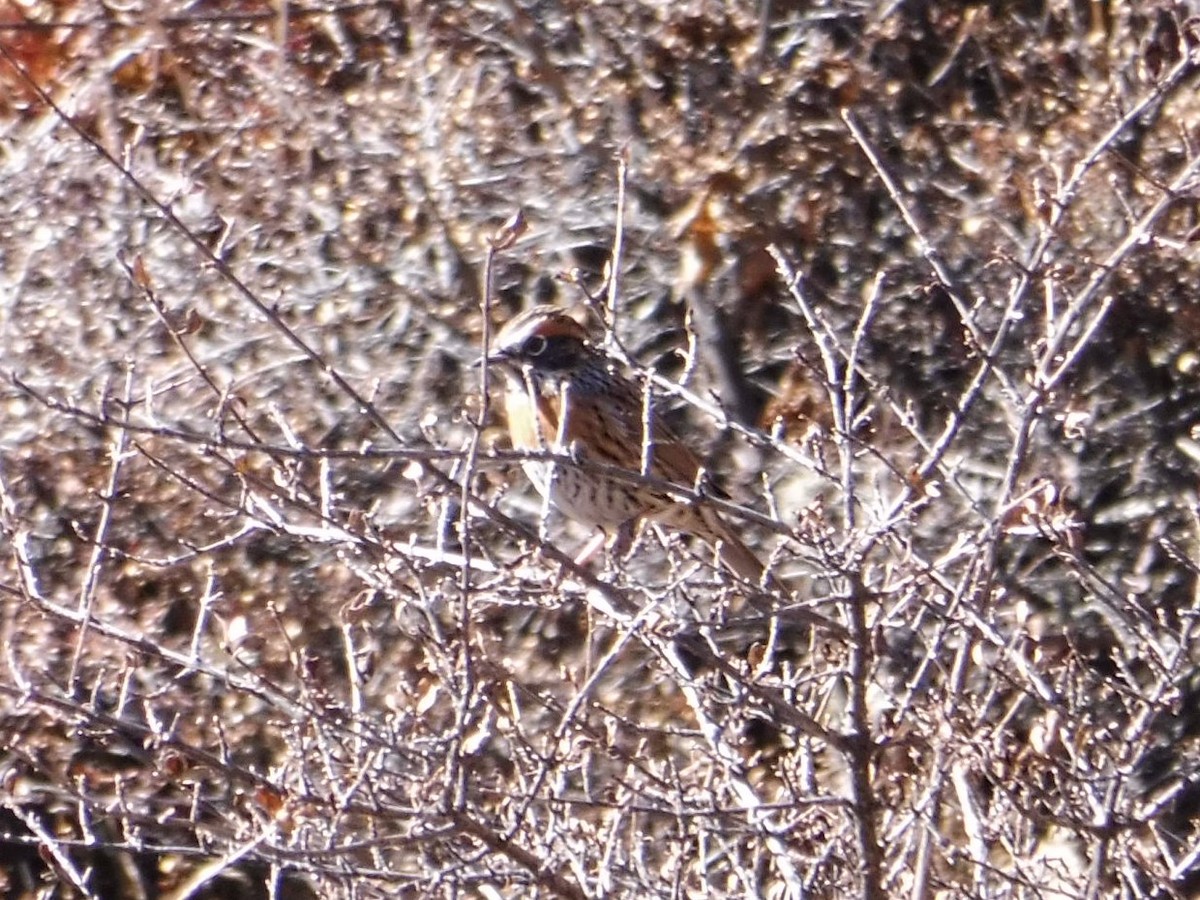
563 394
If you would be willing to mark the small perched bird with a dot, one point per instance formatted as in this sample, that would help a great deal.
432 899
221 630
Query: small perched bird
564 394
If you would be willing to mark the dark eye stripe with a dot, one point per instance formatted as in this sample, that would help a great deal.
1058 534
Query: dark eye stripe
554 353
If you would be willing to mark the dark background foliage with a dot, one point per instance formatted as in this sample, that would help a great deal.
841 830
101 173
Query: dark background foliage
282 618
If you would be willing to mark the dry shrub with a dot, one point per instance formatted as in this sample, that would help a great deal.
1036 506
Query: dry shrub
282 618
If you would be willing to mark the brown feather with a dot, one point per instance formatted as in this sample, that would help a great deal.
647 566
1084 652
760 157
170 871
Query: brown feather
605 420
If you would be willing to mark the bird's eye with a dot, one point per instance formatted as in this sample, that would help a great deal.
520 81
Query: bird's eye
534 345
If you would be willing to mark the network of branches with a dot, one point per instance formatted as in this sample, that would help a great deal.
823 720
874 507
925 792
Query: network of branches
281 616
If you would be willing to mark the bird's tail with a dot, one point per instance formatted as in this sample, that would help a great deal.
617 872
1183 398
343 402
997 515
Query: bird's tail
740 559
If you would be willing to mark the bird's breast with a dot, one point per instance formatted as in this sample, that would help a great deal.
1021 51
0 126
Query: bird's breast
532 420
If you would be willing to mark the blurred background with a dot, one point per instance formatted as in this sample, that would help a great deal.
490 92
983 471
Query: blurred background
281 616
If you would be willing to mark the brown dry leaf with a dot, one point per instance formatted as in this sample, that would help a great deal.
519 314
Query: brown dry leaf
799 408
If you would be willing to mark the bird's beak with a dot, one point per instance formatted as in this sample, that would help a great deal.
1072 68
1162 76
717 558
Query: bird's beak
494 358
499 362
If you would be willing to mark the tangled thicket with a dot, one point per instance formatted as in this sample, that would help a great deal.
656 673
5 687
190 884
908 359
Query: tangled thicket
282 618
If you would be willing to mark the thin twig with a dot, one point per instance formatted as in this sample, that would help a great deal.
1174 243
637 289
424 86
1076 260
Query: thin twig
87 591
